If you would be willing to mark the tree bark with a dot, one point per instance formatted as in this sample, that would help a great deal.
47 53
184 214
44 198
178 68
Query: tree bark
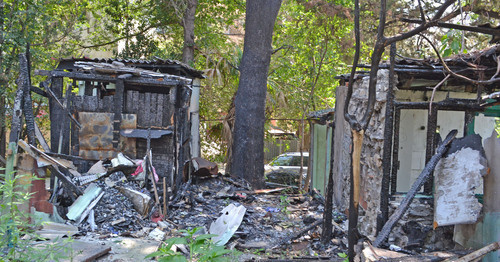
188 24
250 101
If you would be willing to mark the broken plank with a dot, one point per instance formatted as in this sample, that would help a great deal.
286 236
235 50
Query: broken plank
41 139
51 93
298 234
478 253
79 206
89 208
268 191
405 204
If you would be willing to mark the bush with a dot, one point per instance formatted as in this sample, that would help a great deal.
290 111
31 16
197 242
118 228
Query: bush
17 235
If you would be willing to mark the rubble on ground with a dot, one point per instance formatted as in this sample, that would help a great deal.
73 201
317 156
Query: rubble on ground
268 225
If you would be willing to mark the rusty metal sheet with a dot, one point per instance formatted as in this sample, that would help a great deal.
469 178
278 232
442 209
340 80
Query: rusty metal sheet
96 135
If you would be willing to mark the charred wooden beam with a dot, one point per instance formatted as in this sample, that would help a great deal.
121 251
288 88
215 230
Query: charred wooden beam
118 110
405 204
25 83
454 104
53 95
430 146
395 152
388 142
39 91
14 134
326 235
111 78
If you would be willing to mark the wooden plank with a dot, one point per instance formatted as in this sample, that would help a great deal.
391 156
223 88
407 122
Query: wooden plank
152 109
129 106
90 104
108 104
41 139
66 132
141 111
75 130
147 108
159 109
78 103
100 104
89 88
118 104
55 112
168 108
135 99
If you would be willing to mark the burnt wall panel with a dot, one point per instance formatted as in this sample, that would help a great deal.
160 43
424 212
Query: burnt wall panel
147 110
159 109
163 153
141 113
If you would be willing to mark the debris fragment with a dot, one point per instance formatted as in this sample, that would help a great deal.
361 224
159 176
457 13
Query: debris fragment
83 201
225 226
157 235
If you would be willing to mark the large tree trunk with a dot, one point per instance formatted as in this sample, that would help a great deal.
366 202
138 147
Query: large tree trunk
188 24
250 101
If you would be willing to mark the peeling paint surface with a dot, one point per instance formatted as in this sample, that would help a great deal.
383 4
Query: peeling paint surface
96 135
456 179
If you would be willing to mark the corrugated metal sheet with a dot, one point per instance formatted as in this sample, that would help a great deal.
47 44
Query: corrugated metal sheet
139 62
96 135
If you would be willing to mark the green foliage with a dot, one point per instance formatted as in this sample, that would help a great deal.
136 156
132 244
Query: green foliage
284 203
451 43
316 48
200 247
17 239
344 256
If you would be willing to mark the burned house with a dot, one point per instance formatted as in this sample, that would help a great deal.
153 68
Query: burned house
416 106
101 107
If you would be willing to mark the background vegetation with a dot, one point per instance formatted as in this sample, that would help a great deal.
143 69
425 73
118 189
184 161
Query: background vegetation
313 42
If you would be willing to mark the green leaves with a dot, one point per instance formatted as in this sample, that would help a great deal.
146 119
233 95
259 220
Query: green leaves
451 43
200 247
16 234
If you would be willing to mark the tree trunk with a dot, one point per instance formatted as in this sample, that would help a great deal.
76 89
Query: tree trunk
188 24
250 101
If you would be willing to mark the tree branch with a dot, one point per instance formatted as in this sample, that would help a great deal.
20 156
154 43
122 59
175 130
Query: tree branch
422 14
282 47
348 117
120 38
474 9
484 30
422 27
447 69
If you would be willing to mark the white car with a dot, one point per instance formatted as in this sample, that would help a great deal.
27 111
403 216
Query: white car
285 168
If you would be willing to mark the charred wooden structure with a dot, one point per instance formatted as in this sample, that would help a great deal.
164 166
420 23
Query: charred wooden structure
101 107
418 102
